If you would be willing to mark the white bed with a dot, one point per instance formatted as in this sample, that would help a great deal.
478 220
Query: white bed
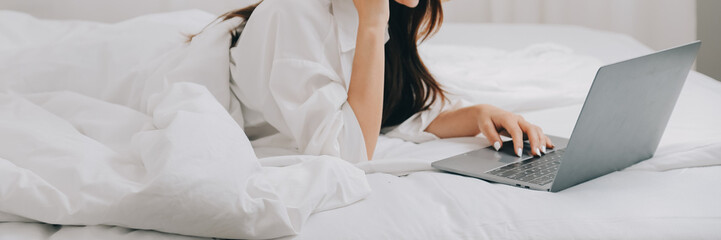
671 196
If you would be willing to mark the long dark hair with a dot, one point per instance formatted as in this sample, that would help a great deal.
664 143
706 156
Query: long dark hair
409 86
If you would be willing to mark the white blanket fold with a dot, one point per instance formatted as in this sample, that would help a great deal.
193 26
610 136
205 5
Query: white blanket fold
159 152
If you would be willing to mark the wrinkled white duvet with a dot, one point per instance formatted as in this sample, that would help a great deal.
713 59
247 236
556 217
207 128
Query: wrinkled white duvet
122 125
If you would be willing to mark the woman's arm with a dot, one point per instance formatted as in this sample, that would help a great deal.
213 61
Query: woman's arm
365 93
489 120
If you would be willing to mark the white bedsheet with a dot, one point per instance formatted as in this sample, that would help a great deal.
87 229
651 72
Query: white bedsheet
672 196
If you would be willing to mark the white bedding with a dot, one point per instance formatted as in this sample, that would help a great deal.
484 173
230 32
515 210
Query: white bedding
95 130
674 195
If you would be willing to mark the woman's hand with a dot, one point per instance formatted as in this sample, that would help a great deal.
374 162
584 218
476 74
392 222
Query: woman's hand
372 13
492 121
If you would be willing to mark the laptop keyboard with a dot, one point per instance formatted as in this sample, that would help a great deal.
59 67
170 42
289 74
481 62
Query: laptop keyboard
539 170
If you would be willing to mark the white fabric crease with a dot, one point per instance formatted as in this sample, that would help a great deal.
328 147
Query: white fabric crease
146 143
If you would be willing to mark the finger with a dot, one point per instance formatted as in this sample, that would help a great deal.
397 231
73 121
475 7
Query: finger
533 137
516 133
549 143
489 130
537 142
540 144
543 140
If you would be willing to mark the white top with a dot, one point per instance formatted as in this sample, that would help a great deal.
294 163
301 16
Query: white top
291 70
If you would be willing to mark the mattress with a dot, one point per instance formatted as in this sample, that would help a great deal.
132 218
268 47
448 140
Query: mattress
671 196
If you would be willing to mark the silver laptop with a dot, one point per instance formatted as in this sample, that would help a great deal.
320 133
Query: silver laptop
621 123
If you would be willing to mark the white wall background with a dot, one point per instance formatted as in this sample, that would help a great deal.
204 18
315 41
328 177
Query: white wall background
658 23
115 10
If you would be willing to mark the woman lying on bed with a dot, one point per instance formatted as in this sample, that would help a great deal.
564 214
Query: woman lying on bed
324 76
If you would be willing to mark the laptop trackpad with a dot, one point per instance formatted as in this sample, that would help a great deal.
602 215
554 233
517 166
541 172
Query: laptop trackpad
504 156
479 161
